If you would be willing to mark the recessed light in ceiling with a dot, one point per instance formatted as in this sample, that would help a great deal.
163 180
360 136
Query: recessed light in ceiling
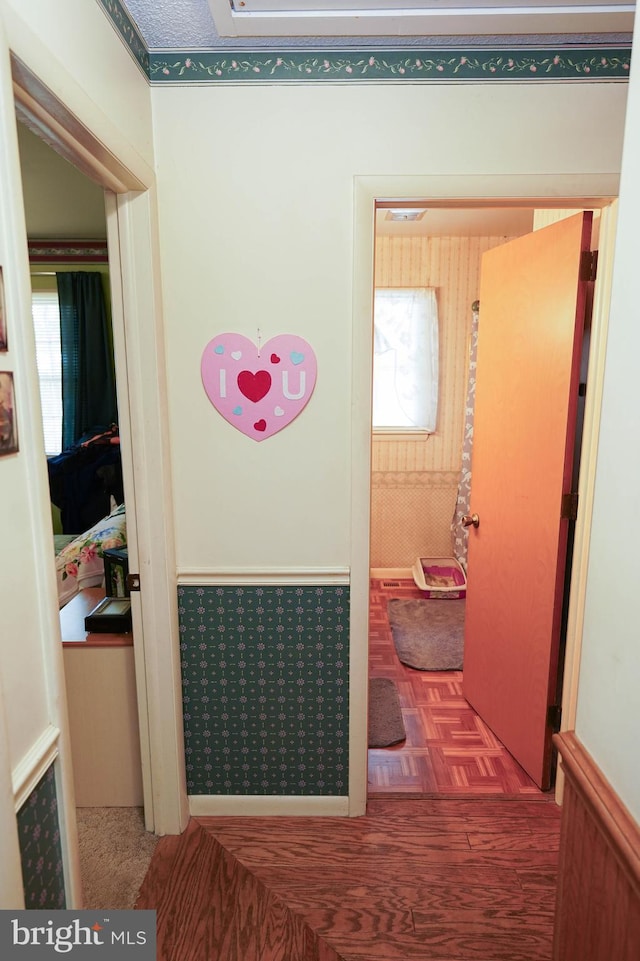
405 214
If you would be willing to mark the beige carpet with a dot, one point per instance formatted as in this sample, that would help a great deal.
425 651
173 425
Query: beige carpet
115 852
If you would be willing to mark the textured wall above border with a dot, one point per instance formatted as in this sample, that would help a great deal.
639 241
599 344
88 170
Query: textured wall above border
401 63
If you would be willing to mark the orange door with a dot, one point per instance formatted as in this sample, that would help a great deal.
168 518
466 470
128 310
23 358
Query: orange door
532 309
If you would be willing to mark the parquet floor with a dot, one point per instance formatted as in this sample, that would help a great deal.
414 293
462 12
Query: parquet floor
449 751
422 880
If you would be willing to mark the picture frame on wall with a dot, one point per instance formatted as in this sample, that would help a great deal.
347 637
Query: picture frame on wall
8 428
3 317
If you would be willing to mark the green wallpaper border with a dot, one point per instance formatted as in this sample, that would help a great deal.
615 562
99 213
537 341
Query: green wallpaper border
406 65
128 32
403 66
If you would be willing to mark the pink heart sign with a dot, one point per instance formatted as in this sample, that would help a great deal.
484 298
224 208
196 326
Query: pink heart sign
258 390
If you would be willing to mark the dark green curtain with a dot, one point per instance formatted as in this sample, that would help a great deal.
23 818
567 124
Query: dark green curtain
88 378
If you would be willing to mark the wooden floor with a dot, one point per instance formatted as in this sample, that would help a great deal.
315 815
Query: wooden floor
449 751
455 859
434 880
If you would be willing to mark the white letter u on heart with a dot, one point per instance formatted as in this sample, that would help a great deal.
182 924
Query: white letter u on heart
285 385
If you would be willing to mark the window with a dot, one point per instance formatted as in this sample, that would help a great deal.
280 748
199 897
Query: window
405 359
46 323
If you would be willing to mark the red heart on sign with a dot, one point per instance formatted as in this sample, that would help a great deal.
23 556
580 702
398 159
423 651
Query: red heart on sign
275 359
260 425
254 386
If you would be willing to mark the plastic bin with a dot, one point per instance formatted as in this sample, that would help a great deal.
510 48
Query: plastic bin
440 578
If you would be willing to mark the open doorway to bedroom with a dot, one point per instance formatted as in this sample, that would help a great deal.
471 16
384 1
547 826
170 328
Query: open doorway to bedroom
126 180
419 493
72 310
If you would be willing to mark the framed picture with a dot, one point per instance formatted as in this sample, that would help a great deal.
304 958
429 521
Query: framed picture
116 569
8 429
111 616
3 316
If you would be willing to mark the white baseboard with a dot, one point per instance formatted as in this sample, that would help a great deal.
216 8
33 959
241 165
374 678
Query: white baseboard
215 805
211 577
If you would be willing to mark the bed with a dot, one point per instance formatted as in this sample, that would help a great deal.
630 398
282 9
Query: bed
79 562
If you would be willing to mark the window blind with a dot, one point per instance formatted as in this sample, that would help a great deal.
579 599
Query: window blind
46 323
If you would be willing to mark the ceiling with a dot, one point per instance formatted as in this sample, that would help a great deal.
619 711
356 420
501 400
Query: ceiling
459 222
60 202
207 24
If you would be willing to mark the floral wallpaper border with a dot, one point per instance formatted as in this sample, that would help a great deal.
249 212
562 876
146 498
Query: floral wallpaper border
128 32
401 65
417 479
360 65
68 251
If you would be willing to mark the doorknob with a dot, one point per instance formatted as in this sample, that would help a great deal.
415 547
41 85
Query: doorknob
471 520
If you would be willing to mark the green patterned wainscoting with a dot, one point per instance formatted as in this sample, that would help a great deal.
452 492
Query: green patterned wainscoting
265 689
40 848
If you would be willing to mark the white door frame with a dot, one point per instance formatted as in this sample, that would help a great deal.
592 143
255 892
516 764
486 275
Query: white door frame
589 191
138 345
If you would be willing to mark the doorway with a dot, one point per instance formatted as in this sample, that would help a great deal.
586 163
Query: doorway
67 232
138 339
448 750
397 571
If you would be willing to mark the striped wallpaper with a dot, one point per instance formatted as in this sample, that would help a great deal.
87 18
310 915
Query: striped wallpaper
414 482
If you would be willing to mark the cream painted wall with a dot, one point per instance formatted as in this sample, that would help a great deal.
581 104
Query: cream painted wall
608 720
256 209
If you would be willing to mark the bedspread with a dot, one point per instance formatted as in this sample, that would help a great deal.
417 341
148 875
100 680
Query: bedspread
80 564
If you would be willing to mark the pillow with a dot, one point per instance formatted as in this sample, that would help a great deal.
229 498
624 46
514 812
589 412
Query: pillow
80 564
60 541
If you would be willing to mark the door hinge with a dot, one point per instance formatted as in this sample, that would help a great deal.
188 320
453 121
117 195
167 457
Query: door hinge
554 716
133 582
569 506
589 265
